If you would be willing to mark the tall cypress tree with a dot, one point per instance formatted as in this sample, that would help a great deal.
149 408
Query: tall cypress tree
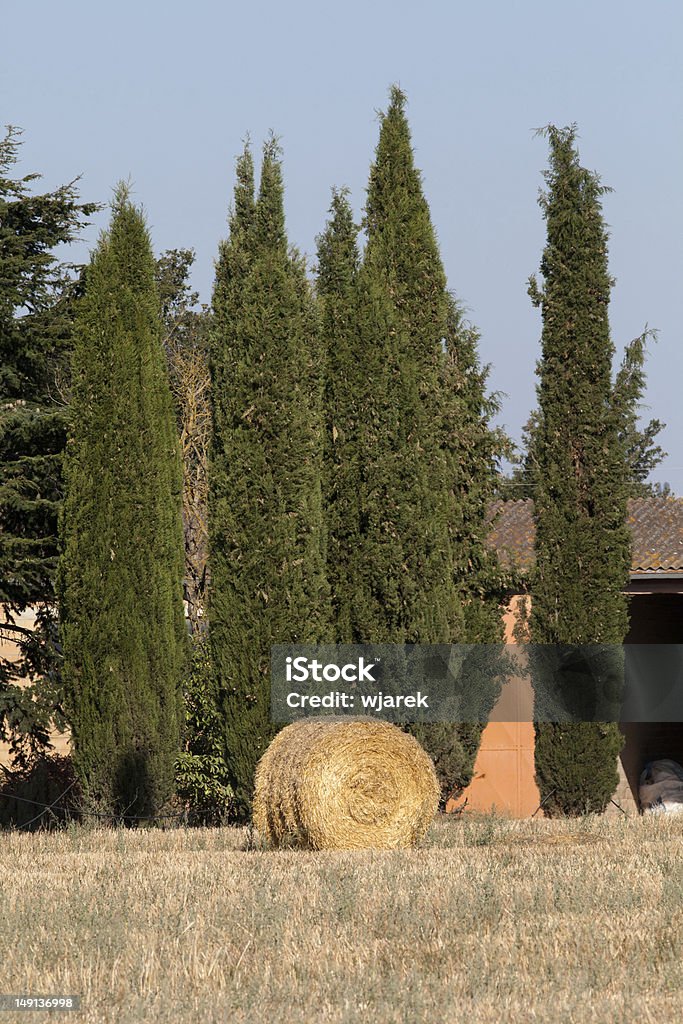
412 459
267 545
582 542
440 369
401 260
337 291
121 571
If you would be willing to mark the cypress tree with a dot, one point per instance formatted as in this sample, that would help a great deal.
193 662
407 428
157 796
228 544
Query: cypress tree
337 292
581 485
121 570
475 450
401 261
641 451
411 457
439 351
267 545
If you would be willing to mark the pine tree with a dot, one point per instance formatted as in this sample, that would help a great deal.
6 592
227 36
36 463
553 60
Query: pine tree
582 542
267 544
37 296
411 458
121 571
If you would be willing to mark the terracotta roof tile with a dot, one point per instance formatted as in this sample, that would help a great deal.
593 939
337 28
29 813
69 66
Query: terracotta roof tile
656 528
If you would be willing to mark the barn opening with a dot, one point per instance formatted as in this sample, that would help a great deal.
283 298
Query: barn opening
656 611
504 774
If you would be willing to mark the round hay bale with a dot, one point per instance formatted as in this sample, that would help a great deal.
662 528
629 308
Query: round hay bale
344 784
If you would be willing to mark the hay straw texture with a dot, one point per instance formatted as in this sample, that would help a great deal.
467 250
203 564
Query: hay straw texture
344 784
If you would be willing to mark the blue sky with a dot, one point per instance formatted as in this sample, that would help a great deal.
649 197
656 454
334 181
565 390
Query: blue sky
165 92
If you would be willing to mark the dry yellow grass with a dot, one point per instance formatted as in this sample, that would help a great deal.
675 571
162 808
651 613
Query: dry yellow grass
492 921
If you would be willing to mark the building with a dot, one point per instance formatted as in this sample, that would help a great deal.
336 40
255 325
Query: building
504 770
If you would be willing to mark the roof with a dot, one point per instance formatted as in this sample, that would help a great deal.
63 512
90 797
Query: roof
656 531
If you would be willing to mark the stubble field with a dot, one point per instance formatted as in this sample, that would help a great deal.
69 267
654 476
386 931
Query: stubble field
491 921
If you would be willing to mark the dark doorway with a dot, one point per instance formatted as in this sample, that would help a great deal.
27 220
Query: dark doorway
656 618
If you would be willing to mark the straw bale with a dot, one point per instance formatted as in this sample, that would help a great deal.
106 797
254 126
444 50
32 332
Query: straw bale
343 784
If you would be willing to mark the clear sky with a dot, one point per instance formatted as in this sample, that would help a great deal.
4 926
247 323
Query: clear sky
165 92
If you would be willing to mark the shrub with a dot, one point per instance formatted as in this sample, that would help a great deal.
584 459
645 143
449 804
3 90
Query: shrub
201 772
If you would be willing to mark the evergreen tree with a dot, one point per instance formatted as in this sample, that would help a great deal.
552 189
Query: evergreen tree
202 781
581 485
37 295
411 457
475 450
402 266
641 451
121 571
267 542
338 295
520 482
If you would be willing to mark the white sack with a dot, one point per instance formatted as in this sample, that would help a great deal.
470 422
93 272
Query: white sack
661 787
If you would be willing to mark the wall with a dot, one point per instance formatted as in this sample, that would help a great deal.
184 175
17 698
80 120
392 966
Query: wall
504 769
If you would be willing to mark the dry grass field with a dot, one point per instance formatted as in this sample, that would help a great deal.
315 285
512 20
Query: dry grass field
492 921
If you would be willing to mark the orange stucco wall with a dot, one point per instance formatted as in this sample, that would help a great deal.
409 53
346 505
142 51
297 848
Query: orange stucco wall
504 770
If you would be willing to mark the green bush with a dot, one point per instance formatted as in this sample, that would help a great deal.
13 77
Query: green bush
201 772
576 766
